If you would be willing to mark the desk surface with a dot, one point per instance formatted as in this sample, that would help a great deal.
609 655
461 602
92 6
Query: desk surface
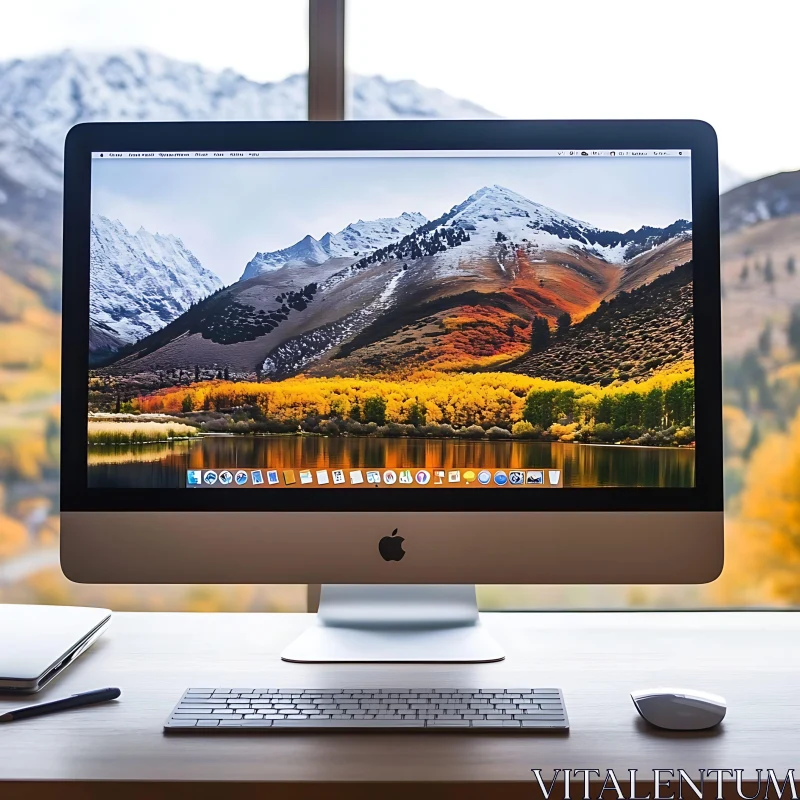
596 658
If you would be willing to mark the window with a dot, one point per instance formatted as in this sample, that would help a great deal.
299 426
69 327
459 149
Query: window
510 58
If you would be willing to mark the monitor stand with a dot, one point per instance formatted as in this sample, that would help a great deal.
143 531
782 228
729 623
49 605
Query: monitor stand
396 623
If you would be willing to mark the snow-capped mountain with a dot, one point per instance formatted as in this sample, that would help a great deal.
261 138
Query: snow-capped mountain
362 236
357 238
764 199
505 212
340 309
508 216
26 160
45 96
139 282
30 194
374 97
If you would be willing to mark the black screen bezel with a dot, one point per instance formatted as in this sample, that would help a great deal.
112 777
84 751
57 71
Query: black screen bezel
694 135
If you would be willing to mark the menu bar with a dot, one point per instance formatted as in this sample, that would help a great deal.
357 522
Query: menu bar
359 478
271 154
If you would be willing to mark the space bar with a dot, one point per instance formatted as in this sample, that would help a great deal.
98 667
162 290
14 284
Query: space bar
348 723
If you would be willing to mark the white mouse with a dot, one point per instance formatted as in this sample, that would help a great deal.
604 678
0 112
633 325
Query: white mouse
679 709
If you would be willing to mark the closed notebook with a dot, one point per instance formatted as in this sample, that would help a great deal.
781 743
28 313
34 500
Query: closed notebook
39 642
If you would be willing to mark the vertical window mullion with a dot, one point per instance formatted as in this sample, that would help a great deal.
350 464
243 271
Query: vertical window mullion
326 78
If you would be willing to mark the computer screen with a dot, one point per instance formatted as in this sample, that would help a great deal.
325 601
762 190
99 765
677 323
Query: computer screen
494 320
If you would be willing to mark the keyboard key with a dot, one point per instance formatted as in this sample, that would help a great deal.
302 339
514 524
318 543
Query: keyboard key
448 723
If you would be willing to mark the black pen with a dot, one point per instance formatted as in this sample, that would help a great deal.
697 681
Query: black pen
54 706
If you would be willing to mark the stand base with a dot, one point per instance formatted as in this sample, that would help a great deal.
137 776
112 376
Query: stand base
400 624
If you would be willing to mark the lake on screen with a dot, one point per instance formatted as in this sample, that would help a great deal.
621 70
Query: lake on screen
164 465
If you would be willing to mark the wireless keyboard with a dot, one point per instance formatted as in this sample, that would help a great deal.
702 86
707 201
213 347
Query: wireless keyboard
350 709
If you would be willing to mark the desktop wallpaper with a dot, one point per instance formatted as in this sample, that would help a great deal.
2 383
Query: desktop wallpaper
455 315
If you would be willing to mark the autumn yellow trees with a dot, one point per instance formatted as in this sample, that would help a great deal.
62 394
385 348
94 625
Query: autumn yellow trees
456 399
763 538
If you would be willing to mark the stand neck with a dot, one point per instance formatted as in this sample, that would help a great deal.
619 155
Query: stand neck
367 606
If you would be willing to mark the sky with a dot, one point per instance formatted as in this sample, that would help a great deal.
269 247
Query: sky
732 64
225 211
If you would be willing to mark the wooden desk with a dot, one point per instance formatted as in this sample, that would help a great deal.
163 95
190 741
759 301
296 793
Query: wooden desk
596 658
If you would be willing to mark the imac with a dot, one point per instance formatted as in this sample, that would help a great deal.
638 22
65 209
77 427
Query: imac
395 359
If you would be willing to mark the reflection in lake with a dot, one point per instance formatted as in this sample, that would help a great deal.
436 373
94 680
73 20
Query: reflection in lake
164 465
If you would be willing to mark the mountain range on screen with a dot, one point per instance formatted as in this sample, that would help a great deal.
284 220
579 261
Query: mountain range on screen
383 294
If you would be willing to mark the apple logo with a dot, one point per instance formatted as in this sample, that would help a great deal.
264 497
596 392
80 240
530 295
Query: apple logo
391 547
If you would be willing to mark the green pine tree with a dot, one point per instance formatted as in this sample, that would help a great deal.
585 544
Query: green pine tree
793 331
375 410
765 340
540 335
